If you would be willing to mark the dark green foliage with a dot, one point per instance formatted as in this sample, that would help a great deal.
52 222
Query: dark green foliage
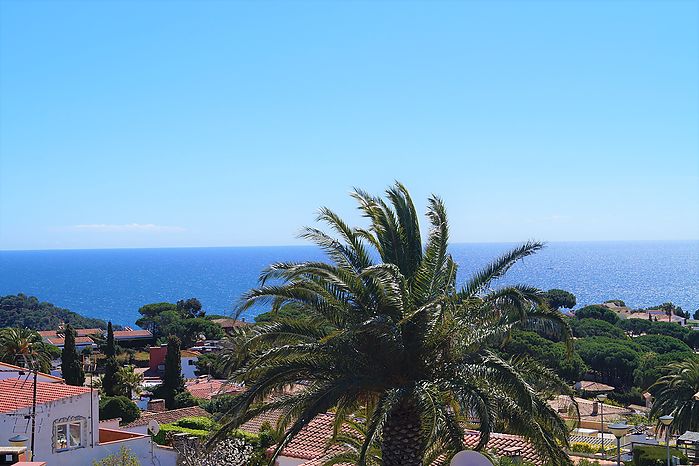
24 311
173 383
288 311
553 355
652 366
696 314
597 311
220 405
111 346
651 455
210 364
675 394
595 328
109 380
71 363
184 319
635 326
190 308
112 407
185 399
557 299
662 344
612 359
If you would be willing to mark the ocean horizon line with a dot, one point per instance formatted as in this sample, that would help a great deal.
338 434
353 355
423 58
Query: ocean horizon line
258 246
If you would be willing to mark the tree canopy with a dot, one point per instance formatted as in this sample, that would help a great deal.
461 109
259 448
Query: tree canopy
597 311
185 319
22 311
557 299
71 363
595 328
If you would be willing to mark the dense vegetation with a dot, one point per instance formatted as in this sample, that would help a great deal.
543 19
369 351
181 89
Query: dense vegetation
186 319
28 312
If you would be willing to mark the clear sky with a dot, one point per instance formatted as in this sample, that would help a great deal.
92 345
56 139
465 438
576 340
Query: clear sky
146 124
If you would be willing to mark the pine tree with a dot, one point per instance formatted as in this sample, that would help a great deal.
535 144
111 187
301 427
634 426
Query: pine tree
109 382
173 383
71 365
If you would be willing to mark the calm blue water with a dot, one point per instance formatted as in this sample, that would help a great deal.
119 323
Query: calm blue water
113 284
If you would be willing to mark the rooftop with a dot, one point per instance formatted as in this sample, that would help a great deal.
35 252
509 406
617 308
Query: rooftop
11 367
17 393
207 389
590 386
129 334
58 341
230 323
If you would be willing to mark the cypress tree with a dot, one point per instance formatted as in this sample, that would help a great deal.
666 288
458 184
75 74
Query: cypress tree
71 365
109 381
173 383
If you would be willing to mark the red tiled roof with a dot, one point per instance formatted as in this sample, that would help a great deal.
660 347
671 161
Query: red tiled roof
84 332
78 341
48 333
126 334
167 417
253 425
311 443
563 404
211 388
590 386
17 393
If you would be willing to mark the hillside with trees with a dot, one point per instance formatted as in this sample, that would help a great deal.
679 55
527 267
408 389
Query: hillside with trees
22 311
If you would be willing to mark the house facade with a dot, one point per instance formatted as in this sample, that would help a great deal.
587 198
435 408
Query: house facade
67 430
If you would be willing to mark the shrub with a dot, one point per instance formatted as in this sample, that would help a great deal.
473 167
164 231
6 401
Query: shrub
648 455
198 426
597 311
124 457
119 406
219 405
197 422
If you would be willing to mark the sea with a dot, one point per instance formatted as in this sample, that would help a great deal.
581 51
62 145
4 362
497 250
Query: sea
112 284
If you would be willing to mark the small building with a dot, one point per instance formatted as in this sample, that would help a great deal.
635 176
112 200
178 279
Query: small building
229 325
67 430
588 387
156 362
81 343
133 338
10 371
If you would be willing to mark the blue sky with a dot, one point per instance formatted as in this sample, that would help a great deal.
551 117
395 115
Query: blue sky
147 124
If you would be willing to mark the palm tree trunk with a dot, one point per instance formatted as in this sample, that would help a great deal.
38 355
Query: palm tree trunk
403 444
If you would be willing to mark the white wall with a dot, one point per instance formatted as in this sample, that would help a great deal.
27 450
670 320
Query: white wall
76 408
187 368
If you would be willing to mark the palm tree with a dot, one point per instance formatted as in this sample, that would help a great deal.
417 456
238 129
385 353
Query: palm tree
25 347
677 394
387 325
128 381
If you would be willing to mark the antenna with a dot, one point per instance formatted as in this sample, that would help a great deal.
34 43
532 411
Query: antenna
153 427
469 458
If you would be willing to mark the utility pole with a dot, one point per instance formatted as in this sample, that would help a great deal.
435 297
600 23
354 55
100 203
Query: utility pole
33 415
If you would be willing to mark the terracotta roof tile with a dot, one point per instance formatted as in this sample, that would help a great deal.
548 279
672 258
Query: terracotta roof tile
230 323
127 334
78 341
167 417
253 425
17 393
208 389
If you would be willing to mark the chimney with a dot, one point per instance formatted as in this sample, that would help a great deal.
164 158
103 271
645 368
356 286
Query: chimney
156 405
595 408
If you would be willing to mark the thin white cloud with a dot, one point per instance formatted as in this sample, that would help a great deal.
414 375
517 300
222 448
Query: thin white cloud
126 228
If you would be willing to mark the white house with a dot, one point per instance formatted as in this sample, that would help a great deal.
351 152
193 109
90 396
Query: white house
10 371
67 430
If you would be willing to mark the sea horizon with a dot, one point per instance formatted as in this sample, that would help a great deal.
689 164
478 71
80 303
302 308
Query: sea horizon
112 283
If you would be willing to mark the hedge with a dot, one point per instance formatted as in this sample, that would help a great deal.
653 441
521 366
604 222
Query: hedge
648 455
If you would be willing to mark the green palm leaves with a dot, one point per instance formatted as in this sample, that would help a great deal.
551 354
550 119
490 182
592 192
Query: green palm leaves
24 347
387 327
677 394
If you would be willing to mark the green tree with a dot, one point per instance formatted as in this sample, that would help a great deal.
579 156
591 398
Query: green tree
612 359
111 367
150 313
402 335
597 311
112 407
128 381
25 348
553 355
27 311
595 328
557 299
662 344
190 308
652 366
173 383
71 364
676 394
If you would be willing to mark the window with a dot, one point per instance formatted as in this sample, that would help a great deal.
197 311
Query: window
68 435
